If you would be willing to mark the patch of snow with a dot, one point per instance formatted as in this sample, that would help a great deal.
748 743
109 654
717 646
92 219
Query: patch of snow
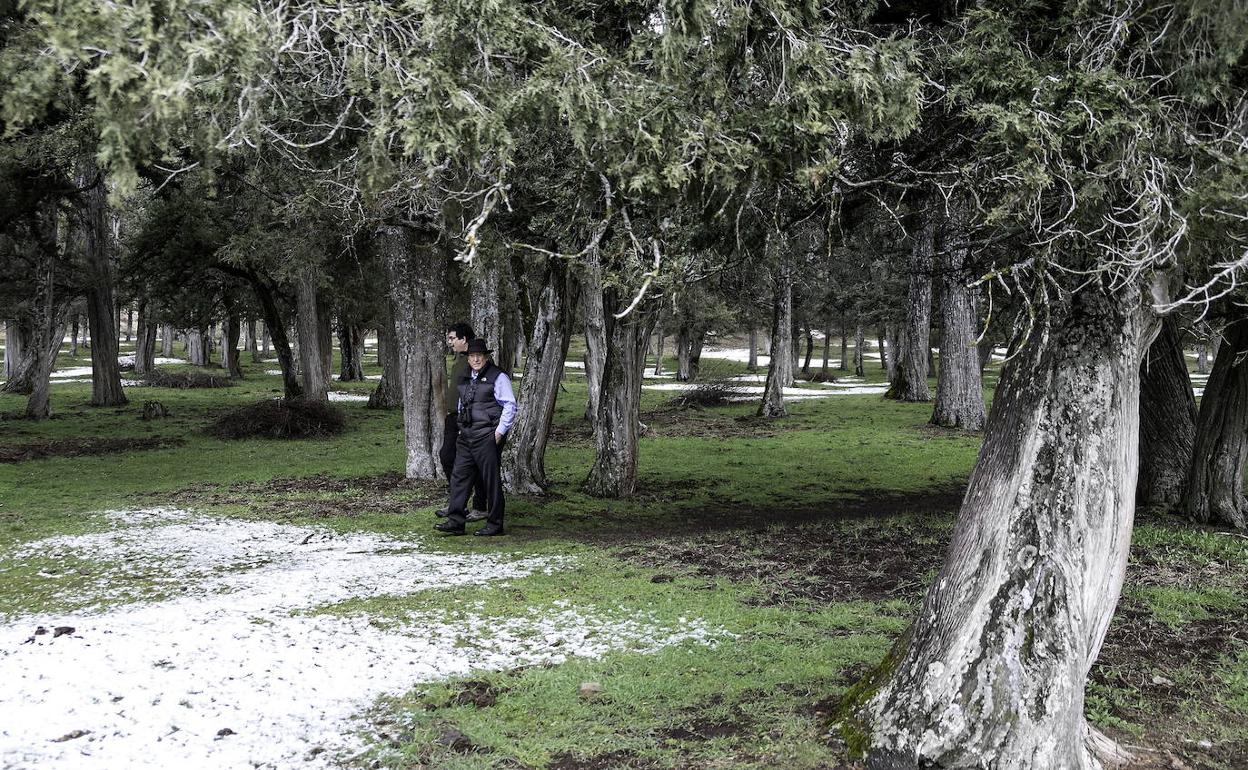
749 392
73 371
229 673
342 395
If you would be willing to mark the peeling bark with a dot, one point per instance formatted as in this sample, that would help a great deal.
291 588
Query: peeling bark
524 466
595 331
1215 482
992 672
617 427
416 265
1167 420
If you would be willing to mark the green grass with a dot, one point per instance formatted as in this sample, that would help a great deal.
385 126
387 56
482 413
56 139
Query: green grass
761 697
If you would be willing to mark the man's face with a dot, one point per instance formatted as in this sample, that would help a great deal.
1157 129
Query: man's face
476 361
455 343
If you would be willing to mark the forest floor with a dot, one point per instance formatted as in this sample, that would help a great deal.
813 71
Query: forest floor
287 604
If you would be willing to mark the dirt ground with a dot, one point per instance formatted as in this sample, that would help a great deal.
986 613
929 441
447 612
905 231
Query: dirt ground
80 447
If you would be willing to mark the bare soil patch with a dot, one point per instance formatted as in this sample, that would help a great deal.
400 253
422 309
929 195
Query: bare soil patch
80 447
319 496
611 760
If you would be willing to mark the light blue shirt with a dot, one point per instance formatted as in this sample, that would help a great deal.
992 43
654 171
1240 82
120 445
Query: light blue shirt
503 395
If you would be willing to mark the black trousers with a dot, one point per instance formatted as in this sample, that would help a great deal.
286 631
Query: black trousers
446 453
476 461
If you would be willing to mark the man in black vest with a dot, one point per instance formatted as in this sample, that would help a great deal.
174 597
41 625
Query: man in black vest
457 338
487 408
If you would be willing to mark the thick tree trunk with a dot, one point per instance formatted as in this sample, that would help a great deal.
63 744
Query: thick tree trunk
689 341
389 391
992 672
195 347
105 371
483 310
617 426
894 350
314 377
1215 482
524 458
1202 358
959 389
595 331
752 365
909 381
1167 420
166 340
351 352
860 342
265 340
145 347
73 334
881 344
416 265
779 368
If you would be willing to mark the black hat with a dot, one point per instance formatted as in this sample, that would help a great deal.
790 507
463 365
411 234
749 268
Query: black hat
478 346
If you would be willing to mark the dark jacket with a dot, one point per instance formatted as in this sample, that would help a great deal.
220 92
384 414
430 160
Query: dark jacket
459 368
478 408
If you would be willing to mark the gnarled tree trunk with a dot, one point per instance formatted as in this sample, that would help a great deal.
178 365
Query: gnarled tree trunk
1167 420
105 370
1215 482
416 266
617 427
992 672
276 326
232 329
779 368
18 357
524 466
909 380
959 389
483 310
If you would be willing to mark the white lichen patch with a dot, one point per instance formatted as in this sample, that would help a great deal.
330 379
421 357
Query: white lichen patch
232 672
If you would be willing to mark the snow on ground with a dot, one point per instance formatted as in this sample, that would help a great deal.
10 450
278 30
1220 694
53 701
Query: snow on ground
750 392
128 360
226 672
342 395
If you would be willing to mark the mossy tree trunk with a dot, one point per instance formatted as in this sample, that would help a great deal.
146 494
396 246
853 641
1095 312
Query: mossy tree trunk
992 672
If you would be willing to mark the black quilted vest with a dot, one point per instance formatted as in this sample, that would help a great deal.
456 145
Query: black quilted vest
477 406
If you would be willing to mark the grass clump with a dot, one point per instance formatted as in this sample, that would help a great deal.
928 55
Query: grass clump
280 418
185 379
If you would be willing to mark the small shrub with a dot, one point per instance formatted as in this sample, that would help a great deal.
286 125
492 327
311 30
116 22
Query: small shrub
712 393
186 380
821 376
280 418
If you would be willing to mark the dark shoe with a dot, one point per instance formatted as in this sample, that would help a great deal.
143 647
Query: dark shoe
489 530
450 528
477 515
441 513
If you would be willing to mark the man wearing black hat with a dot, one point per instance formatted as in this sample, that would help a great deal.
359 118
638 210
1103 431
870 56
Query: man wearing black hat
487 408
458 336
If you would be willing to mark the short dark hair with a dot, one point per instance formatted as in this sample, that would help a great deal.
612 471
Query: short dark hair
461 330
